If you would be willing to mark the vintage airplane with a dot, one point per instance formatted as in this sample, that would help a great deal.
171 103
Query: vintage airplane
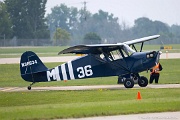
100 60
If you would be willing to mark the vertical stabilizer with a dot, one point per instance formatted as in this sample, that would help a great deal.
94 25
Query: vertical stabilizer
30 64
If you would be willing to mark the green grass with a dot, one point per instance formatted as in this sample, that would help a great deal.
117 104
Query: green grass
19 50
10 76
68 104
11 52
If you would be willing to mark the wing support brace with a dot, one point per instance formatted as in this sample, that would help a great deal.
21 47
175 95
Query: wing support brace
133 46
142 46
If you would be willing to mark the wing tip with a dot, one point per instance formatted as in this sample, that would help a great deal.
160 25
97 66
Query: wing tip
157 35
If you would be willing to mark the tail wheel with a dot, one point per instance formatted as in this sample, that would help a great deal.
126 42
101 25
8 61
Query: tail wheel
29 87
143 81
129 83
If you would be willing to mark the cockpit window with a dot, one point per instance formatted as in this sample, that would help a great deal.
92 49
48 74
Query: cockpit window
124 51
116 54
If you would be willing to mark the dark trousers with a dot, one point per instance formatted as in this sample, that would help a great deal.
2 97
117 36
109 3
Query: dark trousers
154 76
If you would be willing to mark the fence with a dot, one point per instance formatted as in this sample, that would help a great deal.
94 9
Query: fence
25 42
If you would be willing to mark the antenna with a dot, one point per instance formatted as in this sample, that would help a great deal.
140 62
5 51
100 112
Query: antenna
162 45
84 4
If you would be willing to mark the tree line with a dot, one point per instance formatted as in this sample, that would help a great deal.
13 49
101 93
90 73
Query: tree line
25 21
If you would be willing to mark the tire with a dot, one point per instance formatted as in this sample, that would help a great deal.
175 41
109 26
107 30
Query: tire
128 83
29 87
143 82
135 79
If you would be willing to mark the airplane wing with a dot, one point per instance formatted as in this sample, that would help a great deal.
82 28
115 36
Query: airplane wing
144 39
100 48
91 49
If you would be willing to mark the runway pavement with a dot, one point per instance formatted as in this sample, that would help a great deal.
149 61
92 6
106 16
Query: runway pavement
44 59
94 87
145 116
69 58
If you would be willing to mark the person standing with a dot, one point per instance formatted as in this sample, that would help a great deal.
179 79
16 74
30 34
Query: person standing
155 73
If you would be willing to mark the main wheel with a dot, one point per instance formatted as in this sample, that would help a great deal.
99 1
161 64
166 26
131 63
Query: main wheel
129 83
143 82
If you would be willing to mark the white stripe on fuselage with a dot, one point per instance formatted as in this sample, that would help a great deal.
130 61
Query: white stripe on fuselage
71 72
57 73
63 69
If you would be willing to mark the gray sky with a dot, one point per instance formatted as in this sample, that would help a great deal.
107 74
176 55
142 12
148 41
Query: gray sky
167 11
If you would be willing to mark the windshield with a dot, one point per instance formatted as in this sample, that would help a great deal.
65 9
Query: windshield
128 50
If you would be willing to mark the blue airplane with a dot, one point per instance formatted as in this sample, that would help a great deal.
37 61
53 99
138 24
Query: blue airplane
100 60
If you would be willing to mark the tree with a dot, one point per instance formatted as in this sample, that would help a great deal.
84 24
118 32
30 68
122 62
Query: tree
105 25
92 38
63 17
36 15
61 37
145 27
5 22
175 29
28 18
175 33
79 22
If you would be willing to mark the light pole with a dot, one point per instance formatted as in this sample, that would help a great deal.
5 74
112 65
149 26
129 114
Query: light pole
4 39
56 36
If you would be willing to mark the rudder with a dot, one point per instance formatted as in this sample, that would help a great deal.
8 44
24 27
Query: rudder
30 64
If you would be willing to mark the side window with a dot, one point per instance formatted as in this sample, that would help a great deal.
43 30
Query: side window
113 55
102 56
116 54
106 56
125 53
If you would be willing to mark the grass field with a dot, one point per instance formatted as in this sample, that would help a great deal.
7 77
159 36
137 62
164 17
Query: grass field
11 52
67 104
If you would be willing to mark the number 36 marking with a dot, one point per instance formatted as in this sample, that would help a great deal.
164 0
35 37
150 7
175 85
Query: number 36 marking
85 71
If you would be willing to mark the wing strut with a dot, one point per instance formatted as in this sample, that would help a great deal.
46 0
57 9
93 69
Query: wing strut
133 46
141 46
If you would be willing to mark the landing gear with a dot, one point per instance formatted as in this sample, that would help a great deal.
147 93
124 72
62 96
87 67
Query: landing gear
120 80
29 87
129 83
131 79
143 81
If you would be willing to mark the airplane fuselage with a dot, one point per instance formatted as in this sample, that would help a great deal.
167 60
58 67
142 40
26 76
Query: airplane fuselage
93 66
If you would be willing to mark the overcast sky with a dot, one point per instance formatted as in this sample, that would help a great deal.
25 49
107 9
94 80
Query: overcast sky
167 11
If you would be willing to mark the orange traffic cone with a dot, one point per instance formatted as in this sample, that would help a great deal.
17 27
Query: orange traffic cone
138 96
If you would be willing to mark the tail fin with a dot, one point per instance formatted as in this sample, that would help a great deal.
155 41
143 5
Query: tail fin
30 65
